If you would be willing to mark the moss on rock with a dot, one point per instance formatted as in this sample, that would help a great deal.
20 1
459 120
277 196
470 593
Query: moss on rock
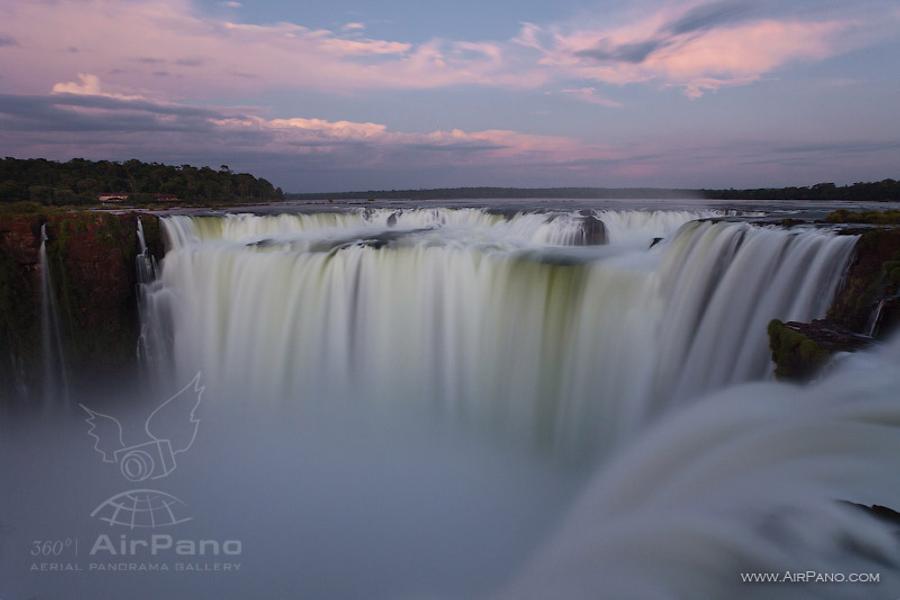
796 356
92 257
800 350
873 276
92 262
19 301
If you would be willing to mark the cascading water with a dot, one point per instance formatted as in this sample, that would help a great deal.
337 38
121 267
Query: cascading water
725 282
154 340
364 371
55 379
145 262
491 320
753 480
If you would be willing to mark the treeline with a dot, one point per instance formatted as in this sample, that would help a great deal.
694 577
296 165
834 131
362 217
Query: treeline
80 181
886 190
499 193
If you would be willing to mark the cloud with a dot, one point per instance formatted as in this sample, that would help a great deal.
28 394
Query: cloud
699 47
149 60
344 47
73 115
7 41
303 152
92 114
709 16
632 52
278 55
88 85
232 4
190 62
332 129
688 44
591 96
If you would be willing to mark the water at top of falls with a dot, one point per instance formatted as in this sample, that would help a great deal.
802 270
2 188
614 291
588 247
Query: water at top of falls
466 225
487 319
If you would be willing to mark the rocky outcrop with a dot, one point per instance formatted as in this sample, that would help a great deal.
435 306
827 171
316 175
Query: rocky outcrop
799 350
872 278
866 308
19 301
91 257
593 230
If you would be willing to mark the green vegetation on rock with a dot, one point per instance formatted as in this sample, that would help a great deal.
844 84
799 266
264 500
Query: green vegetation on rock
870 217
91 256
872 276
796 356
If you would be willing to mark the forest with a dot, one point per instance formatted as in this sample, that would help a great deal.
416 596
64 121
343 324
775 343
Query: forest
80 181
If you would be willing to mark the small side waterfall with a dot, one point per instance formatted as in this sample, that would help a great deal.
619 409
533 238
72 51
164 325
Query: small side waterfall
146 262
154 340
55 378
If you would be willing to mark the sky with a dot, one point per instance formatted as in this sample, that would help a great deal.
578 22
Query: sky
359 95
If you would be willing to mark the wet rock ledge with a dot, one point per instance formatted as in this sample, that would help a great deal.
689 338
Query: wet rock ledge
866 308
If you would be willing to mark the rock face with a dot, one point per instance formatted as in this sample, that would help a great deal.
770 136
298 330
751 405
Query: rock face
873 277
593 230
91 257
866 308
19 301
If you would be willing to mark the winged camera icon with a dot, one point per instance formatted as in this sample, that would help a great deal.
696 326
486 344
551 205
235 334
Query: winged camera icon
171 430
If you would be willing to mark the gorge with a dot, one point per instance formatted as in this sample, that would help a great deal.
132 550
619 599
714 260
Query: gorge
548 384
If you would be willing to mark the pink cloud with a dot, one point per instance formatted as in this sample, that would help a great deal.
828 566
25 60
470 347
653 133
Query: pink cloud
113 38
159 43
89 85
309 135
344 47
591 96
650 49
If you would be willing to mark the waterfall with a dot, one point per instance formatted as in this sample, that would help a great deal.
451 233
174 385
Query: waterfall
146 262
747 480
55 378
553 228
154 340
494 321
724 283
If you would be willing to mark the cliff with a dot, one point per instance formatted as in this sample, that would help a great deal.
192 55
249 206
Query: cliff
91 257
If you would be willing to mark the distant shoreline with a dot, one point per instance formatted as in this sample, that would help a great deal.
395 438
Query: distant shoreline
887 190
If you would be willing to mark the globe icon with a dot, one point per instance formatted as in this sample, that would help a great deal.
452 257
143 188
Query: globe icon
142 508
